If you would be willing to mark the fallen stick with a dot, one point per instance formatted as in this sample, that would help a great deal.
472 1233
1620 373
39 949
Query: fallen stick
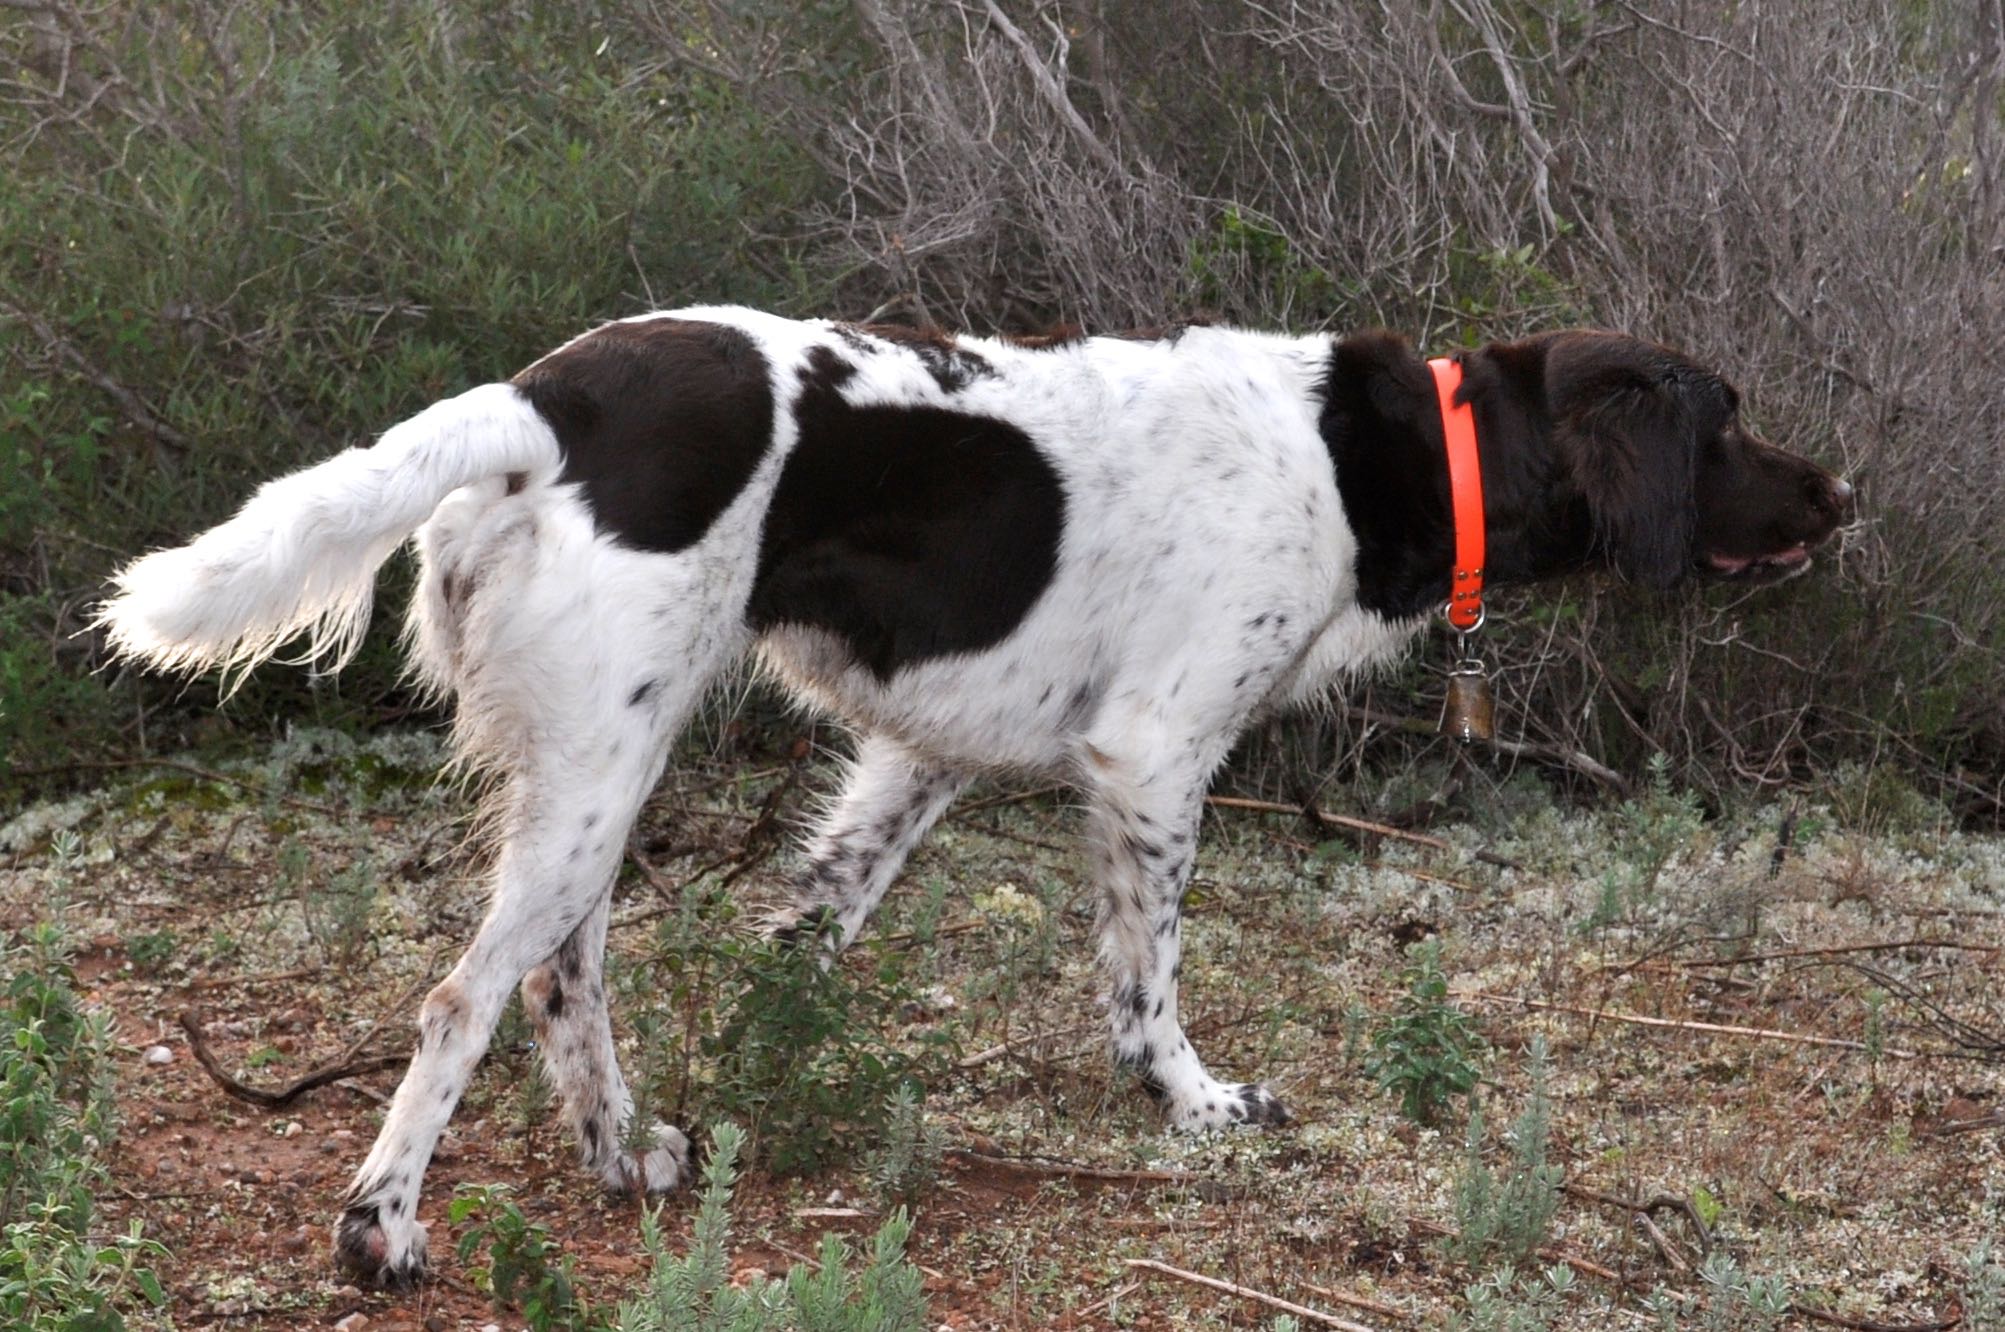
1955 1127
1678 1024
278 1100
1258 1297
1080 1170
1837 950
1356 825
1357 1302
1010 1046
1817 1315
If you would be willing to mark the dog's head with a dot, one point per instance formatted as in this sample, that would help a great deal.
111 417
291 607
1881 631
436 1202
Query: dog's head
1675 484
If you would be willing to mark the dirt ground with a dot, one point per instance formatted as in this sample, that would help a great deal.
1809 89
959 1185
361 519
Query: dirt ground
1786 1026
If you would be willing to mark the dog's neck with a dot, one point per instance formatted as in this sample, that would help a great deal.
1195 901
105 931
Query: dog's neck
1381 421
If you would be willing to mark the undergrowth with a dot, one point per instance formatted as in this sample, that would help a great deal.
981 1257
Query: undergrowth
759 1032
829 1294
1427 1050
58 1268
1504 1219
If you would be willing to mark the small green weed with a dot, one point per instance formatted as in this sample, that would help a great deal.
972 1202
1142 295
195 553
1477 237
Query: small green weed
524 1269
150 952
56 1116
1427 1050
908 1164
694 1290
792 1049
1651 829
1506 1220
1983 1290
1502 1302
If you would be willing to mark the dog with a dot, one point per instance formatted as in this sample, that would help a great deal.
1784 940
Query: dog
1097 558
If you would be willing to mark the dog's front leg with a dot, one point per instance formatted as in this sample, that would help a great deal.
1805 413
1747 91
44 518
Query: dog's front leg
1145 826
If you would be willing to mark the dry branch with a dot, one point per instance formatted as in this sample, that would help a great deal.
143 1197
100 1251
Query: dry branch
277 1100
1246 1293
1678 1024
1030 1165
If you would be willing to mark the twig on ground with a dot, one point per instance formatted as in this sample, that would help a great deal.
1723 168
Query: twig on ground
1356 825
1954 1127
1677 1024
1817 1315
1836 950
1666 1250
1357 1302
1010 1046
253 978
1121 1293
1663 1202
278 1100
1246 1293
899 938
1210 1189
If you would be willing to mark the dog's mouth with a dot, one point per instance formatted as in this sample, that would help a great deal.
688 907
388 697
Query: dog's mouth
1769 568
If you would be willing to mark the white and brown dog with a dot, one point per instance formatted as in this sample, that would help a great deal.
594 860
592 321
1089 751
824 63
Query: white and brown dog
1095 558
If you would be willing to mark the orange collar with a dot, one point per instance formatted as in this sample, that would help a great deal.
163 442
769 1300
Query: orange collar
1465 481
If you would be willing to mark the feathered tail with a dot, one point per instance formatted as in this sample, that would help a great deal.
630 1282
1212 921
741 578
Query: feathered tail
302 555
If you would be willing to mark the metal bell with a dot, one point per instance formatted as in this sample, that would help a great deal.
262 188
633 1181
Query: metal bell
1471 711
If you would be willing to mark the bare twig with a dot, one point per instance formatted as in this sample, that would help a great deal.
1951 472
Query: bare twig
276 1100
1247 1293
1030 1165
1672 1024
1839 950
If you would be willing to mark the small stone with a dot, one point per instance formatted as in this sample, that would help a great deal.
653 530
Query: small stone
158 1055
292 1129
354 1322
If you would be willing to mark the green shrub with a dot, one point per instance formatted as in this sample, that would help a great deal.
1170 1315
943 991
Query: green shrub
694 1290
1505 1220
1504 1302
271 232
1426 1051
759 1031
907 1164
56 1117
525 1270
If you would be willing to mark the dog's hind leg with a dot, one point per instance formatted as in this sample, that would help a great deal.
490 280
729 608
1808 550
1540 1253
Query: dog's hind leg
888 802
565 998
1147 803
576 707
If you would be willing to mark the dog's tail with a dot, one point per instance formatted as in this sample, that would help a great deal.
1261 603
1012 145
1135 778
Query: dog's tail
302 555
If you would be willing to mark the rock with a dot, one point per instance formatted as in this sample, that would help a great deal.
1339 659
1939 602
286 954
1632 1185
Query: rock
354 1322
158 1055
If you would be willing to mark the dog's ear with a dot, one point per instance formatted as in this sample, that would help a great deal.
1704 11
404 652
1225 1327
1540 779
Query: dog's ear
1628 431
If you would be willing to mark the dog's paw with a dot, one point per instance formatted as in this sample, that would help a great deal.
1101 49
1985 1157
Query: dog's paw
793 926
660 1169
388 1254
1222 1105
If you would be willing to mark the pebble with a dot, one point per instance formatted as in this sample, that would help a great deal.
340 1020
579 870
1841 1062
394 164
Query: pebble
354 1322
158 1055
